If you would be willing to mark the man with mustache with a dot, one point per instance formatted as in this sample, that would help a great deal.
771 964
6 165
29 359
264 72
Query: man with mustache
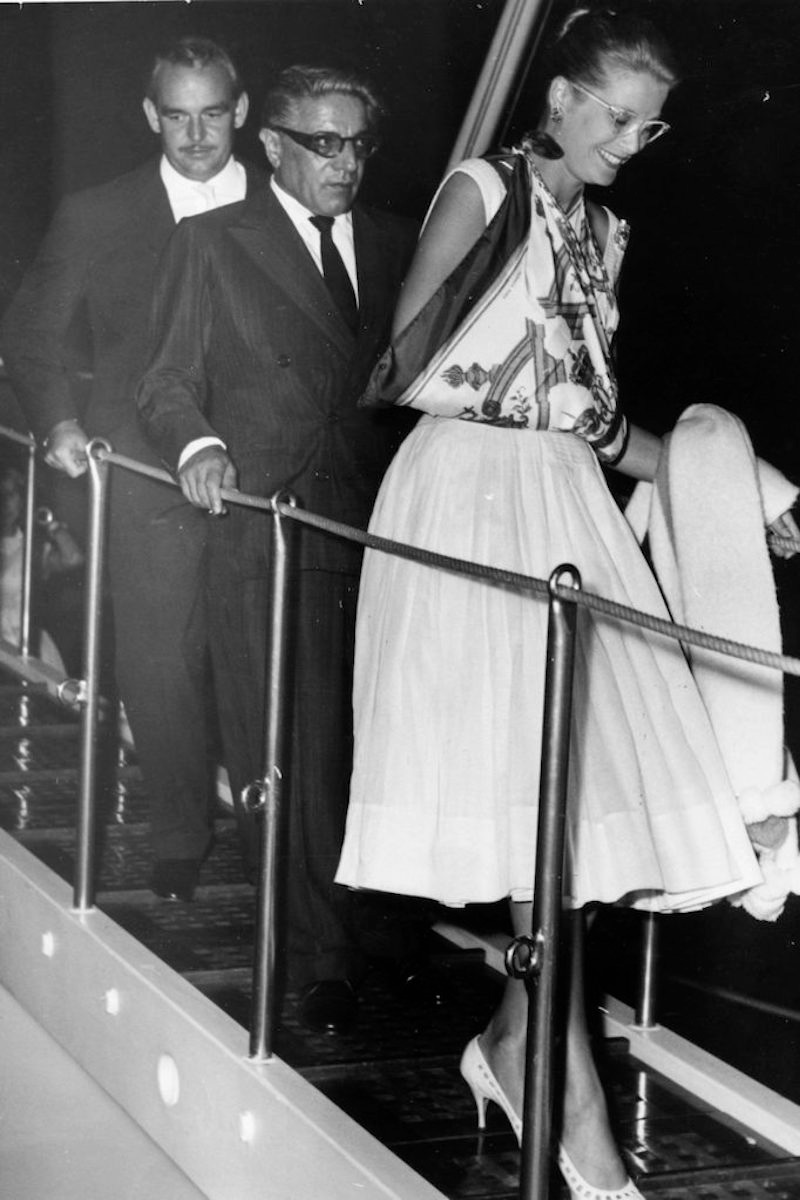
90 287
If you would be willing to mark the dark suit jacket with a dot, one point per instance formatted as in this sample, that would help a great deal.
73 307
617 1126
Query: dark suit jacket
247 347
82 310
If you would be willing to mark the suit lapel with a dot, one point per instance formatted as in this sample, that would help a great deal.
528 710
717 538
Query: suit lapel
151 209
273 244
257 177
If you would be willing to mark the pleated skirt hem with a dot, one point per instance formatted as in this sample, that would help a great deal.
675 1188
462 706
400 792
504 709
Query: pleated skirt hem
448 695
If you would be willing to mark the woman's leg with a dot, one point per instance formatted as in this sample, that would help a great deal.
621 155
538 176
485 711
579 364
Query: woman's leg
503 1040
585 1128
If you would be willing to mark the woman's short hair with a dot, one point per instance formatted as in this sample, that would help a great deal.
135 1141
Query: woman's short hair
297 83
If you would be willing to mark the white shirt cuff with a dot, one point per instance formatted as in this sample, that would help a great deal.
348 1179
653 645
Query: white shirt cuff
198 444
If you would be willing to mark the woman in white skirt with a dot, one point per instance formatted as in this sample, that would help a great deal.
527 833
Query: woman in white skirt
504 468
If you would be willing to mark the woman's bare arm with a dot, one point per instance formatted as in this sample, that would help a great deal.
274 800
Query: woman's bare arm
454 225
641 459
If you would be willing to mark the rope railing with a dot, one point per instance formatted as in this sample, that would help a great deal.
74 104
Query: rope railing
685 634
533 959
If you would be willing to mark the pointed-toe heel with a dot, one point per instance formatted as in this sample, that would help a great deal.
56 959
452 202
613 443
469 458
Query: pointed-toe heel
580 1189
480 1079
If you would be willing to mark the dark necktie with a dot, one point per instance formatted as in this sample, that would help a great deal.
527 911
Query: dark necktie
335 273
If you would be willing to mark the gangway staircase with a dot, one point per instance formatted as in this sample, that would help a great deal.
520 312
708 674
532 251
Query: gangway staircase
123 1036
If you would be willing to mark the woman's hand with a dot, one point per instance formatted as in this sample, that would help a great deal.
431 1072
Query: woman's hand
783 536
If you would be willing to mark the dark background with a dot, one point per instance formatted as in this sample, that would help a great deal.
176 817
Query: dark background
709 293
72 75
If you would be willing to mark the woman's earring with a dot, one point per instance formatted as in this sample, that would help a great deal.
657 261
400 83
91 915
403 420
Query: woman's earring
540 142
543 143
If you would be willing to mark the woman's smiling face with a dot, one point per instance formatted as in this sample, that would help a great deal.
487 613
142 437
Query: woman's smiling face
596 140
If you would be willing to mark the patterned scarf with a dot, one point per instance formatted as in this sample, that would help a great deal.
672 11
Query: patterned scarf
529 344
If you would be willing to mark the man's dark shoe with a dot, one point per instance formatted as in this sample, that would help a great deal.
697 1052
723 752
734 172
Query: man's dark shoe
175 878
329 1006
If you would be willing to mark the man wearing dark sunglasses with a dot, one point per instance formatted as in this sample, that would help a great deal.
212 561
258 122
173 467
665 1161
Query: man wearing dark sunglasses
268 318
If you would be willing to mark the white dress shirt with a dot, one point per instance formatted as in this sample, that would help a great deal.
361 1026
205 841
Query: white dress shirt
188 197
341 232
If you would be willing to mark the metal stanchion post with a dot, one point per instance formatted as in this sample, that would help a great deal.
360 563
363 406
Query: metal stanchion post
22 439
645 1005
264 797
535 959
89 697
27 552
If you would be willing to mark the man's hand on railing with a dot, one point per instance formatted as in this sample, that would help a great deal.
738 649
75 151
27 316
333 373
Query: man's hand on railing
65 448
204 475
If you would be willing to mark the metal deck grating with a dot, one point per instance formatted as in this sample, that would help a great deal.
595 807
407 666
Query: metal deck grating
728 983
125 862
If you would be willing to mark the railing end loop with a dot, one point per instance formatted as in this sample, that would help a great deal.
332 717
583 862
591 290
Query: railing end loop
98 448
254 797
72 692
523 956
282 498
564 576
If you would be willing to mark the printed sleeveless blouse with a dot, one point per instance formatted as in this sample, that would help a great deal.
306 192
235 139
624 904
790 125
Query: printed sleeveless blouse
534 353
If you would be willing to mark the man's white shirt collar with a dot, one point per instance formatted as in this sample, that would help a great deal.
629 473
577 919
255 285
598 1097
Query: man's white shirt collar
341 231
188 197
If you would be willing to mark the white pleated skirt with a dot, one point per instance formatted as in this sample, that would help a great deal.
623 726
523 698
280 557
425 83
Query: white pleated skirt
449 681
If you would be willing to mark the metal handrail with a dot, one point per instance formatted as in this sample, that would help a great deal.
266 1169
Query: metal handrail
30 668
645 1013
89 693
265 796
27 553
21 439
534 959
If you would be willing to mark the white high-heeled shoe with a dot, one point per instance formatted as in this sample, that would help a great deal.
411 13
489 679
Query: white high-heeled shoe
481 1080
580 1189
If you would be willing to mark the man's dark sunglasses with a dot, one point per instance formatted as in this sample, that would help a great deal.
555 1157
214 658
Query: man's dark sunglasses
328 145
